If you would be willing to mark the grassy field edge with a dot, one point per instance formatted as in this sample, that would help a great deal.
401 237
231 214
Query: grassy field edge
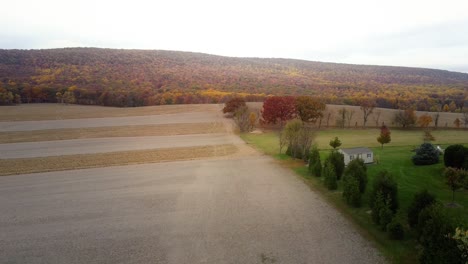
394 158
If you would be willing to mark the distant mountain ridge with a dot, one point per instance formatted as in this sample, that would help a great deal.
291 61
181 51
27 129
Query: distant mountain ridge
148 77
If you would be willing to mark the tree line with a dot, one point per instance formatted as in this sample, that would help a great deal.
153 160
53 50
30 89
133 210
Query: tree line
139 77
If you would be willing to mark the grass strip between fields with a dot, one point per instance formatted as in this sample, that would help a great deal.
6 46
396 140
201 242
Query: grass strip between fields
83 161
117 131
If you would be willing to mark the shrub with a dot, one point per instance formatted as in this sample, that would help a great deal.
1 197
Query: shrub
427 154
357 169
378 203
420 201
385 214
315 165
435 231
335 143
241 118
351 192
385 184
337 160
461 237
395 230
317 169
299 139
330 175
456 156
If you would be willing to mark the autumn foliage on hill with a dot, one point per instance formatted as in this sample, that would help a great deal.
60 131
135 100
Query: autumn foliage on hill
145 77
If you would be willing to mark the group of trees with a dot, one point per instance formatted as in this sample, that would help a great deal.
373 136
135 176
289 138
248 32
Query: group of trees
456 171
144 77
9 98
280 109
437 233
408 118
244 118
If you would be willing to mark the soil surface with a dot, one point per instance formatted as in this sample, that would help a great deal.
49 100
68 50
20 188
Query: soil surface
232 205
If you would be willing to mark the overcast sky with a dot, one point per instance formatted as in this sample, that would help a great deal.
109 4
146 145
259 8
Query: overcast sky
420 33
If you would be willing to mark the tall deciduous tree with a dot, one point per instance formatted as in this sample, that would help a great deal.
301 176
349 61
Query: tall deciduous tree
299 139
349 116
405 118
309 109
385 135
424 120
278 109
465 117
341 117
367 107
242 118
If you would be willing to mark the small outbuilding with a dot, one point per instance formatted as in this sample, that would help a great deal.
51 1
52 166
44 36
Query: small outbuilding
357 153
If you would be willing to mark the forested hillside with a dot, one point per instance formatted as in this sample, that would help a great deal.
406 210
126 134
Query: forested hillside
143 77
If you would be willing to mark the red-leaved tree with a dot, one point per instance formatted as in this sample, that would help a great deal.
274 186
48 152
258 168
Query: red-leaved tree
278 109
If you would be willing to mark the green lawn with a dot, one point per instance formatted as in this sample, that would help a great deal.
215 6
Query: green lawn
394 157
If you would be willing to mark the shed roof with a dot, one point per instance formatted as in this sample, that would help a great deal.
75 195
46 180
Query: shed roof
354 151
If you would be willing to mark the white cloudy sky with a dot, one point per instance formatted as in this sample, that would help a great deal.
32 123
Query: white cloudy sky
421 33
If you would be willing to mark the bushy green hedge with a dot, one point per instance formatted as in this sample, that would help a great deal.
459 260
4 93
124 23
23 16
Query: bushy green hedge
315 165
435 231
385 184
337 159
354 182
456 156
329 174
420 201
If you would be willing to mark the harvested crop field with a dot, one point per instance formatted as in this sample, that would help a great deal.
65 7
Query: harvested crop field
83 161
176 171
118 131
29 112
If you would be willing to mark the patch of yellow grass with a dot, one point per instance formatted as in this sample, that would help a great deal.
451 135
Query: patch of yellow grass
82 161
121 131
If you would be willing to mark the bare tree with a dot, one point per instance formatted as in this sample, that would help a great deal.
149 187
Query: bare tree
376 117
341 118
329 115
465 117
242 118
436 119
299 139
349 116
367 107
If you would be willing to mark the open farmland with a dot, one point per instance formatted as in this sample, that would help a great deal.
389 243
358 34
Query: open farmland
164 194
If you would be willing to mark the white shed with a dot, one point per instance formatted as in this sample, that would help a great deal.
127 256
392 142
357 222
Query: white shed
357 153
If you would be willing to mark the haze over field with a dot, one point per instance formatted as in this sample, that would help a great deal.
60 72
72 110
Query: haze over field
418 33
